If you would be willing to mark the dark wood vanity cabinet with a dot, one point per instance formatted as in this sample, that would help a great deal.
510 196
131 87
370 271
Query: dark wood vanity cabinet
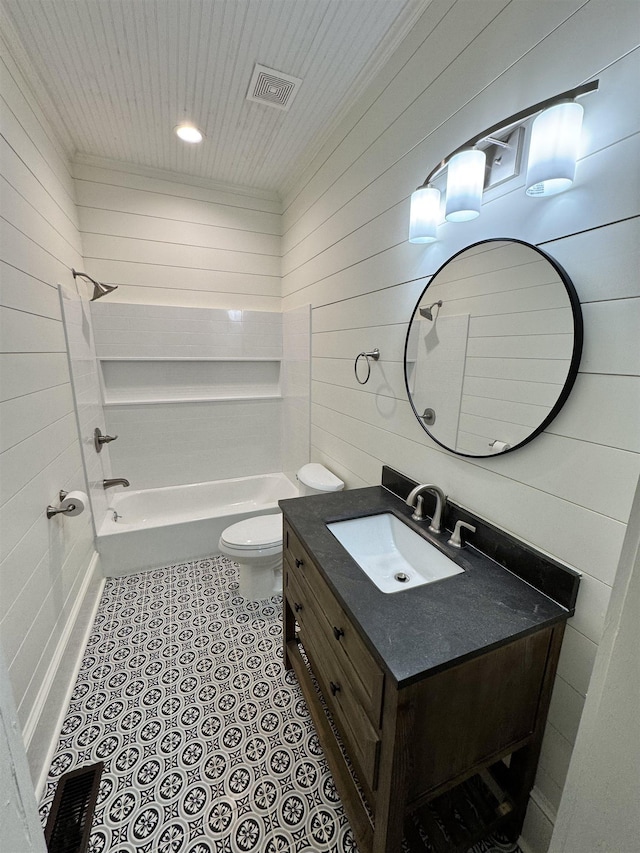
463 739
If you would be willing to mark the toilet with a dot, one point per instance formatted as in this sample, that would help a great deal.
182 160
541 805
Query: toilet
256 543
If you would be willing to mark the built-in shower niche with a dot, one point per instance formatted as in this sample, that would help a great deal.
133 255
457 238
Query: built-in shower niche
127 381
202 394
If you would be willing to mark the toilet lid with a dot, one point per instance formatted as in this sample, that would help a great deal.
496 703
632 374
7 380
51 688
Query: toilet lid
261 531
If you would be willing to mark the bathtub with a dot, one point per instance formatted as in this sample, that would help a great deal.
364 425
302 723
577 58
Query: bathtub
158 527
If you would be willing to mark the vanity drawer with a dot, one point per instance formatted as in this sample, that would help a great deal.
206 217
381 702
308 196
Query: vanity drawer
363 671
361 739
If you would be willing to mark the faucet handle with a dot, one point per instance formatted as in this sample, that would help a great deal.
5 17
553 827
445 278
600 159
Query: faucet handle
418 512
99 439
456 536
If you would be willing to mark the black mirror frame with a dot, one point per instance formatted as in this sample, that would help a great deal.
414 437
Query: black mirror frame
574 364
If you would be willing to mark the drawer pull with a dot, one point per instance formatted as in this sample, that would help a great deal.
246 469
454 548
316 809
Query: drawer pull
334 687
299 563
337 632
297 607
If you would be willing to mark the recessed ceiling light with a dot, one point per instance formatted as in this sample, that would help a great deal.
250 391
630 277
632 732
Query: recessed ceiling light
189 133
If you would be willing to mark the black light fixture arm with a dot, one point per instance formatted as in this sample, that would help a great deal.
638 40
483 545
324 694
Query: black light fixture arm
511 121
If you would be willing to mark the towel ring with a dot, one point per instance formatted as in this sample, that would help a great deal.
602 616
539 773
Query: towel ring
375 355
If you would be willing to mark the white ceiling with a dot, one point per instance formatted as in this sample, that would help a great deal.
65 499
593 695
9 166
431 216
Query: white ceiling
115 76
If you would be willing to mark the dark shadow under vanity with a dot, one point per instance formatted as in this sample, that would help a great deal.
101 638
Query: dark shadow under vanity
438 695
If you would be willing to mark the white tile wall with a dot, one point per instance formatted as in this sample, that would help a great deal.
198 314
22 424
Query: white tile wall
345 250
172 443
158 331
176 443
44 565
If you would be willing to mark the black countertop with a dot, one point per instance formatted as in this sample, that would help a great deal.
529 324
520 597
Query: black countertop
428 628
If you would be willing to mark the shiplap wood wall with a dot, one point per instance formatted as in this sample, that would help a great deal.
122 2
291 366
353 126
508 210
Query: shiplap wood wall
345 251
176 242
47 580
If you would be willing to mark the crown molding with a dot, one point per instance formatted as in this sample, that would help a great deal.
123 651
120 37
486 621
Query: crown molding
81 159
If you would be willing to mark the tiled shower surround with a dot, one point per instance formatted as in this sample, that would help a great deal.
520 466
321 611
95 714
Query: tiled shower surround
207 741
226 390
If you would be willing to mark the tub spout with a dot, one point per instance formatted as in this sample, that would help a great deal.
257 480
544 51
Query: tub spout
116 481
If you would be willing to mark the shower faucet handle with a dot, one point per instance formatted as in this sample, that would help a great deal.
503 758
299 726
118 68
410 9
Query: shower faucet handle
99 439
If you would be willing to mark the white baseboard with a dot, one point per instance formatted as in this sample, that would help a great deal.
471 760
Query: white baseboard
45 718
538 824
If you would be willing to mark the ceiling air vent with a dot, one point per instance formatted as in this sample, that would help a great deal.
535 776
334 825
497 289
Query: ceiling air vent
272 87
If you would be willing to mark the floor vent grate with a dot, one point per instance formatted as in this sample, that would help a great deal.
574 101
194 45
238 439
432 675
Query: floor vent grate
69 824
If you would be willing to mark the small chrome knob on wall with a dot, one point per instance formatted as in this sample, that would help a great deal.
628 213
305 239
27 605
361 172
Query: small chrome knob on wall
99 439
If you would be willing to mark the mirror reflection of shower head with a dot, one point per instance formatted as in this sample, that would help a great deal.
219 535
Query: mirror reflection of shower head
427 313
99 289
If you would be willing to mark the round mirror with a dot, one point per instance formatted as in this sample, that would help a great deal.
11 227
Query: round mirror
493 347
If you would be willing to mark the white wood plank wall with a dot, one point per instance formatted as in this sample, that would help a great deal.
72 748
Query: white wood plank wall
44 565
296 388
345 251
166 241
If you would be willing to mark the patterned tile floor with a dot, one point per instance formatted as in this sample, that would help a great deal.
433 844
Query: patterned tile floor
207 742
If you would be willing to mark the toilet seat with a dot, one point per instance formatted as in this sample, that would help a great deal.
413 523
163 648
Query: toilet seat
253 534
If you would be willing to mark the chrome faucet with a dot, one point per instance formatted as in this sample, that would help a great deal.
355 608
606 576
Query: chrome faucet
416 501
116 481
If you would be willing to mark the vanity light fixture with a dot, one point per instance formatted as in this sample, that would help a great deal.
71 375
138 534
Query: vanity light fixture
553 149
425 215
189 133
479 164
465 182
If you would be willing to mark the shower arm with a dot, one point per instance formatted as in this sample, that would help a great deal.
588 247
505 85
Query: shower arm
88 278
99 289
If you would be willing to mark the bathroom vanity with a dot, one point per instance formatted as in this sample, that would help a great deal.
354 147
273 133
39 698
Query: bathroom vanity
437 695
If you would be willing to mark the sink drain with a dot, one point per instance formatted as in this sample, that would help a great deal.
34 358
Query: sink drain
402 577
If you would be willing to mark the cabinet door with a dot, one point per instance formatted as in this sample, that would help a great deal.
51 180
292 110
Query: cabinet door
364 673
361 739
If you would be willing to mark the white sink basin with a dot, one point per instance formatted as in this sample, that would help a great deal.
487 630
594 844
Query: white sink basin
389 552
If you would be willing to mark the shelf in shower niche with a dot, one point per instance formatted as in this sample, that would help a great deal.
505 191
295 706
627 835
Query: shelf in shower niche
156 401
143 381
182 358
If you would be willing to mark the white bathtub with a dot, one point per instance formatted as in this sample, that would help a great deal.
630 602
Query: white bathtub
157 527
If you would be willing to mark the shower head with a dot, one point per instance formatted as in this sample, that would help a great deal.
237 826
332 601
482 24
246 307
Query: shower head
99 289
427 312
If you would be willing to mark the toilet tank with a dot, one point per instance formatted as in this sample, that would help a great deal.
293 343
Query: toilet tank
315 479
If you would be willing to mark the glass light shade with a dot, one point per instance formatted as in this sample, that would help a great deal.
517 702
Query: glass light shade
188 133
465 182
425 215
553 150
